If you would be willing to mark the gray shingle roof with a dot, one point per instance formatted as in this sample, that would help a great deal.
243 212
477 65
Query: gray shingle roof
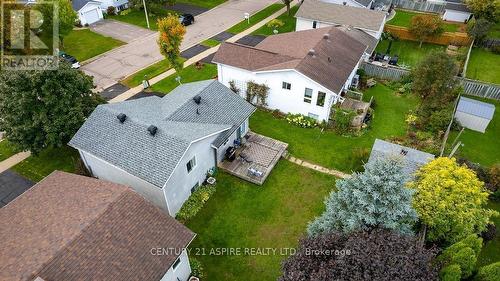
129 145
452 5
78 4
475 107
413 158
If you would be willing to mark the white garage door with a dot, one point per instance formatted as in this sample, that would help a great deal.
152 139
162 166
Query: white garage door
91 16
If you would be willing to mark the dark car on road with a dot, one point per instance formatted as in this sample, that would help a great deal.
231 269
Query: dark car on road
186 19
69 59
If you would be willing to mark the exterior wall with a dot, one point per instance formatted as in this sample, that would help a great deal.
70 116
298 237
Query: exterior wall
87 8
451 15
305 24
115 3
288 101
178 187
103 170
348 3
181 272
472 122
222 149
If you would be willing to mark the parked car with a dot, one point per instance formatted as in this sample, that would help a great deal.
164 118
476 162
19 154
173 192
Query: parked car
69 59
186 19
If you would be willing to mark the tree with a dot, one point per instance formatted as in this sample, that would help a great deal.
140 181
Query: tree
376 197
478 29
377 254
44 108
425 26
171 35
66 15
288 3
450 201
488 9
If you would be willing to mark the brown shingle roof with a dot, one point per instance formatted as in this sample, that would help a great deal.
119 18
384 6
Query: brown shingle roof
341 14
69 227
335 57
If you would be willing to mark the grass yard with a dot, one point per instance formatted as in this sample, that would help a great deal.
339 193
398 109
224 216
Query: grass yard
241 215
403 18
7 149
484 65
409 52
188 74
255 18
490 252
494 31
210 43
36 168
334 151
148 72
288 20
202 3
84 44
137 17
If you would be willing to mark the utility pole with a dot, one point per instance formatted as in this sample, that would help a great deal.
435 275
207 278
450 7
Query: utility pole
146 12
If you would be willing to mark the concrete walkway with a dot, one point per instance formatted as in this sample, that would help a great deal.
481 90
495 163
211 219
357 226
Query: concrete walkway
13 160
130 93
318 168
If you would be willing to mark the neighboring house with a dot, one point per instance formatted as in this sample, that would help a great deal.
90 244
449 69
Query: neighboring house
353 3
317 14
164 147
474 114
89 11
456 10
119 5
70 227
306 71
413 159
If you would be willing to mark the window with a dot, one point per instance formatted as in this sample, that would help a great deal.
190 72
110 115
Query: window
312 115
176 263
308 94
286 86
321 99
191 164
315 24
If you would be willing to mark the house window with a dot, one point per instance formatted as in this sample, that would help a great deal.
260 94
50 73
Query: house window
176 263
321 99
315 24
286 86
191 164
312 115
308 94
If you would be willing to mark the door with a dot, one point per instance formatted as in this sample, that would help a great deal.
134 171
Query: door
91 16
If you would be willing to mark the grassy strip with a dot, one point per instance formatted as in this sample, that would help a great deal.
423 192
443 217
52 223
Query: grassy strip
7 149
148 72
288 20
210 43
202 3
188 74
137 17
255 18
84 44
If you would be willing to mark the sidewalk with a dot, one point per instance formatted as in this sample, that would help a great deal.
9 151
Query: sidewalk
13 160
133 91
318 168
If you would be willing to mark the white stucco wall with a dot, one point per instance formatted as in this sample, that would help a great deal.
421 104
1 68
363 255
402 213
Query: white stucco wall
181 272
348 3
472 122
87 8
458 16
305 24
103 170
288 101
230 142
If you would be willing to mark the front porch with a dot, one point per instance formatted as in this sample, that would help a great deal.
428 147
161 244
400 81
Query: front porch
255 158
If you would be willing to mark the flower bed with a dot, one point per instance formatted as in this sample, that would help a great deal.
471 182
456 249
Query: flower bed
301 120
195 202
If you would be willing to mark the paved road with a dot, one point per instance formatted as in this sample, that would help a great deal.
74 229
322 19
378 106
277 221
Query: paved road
123 61
11 186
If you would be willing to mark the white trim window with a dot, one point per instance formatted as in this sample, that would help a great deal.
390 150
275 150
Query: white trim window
320 101
308 94
312 115
286 85
176 263
191 164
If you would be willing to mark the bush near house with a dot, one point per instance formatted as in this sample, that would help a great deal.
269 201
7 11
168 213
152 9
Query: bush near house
301 120
195 202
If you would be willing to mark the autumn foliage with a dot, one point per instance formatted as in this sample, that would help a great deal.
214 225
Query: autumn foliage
170 39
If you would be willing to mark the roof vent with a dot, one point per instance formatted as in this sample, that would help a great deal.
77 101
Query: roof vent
197 99
326 36
311 52
404 152
122 117
152 130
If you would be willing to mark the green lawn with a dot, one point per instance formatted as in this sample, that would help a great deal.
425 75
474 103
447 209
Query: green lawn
188 74
409 52
484 65
289 21
7 149
491 250
137 17
36 168
202 3
241 215
148 72
403 18
494 31
210 43
255 18
84 44
334 151
478 147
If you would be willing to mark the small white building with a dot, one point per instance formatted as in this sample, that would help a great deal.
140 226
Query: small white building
89 11
164 147
457 11
367 4
474 114
306 71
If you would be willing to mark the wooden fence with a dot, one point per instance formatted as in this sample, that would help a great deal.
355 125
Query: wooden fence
447 38
471 87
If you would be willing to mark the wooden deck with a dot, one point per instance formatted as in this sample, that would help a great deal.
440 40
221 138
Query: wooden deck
262 154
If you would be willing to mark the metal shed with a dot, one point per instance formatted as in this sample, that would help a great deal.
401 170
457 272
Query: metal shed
474 114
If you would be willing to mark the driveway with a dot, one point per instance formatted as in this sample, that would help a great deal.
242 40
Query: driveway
119 30
12 185
121 62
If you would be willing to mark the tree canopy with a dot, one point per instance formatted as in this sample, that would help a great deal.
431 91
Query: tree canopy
376 254
170 39
376 197
425 26
450 201
66 15
478 29
44 108
488 9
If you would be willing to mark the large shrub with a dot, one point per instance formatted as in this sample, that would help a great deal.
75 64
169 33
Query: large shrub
195 202
343 120
450 273
462 254
489 272
197 269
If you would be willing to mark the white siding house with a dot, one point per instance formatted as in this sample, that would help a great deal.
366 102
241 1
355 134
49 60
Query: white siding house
118 4
88 11
180 270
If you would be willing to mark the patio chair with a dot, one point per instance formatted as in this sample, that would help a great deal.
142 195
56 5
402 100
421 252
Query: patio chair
254 172
245 158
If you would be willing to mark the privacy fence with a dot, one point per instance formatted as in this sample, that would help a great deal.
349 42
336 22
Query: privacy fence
447 38
471 87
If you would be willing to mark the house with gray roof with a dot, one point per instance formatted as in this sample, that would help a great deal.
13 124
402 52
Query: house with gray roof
473 114
163 147
366 4
88 11
413 158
